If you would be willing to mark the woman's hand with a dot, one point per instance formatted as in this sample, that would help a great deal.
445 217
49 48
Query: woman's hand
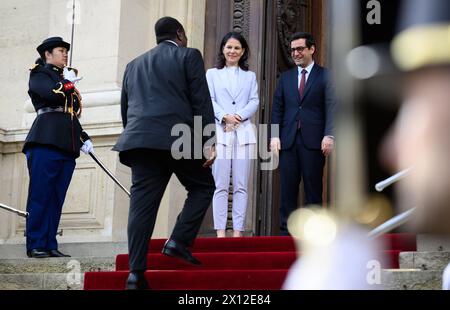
232 119
232 122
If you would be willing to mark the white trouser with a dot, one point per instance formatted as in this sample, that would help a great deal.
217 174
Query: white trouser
235 159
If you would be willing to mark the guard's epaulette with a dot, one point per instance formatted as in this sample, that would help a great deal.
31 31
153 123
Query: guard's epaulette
34 67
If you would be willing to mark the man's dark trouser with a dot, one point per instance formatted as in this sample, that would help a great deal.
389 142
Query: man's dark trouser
295 163
151 171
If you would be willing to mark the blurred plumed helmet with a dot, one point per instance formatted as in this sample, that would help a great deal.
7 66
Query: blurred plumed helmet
423 37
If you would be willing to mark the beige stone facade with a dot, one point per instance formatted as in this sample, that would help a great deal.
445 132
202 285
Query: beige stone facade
108 34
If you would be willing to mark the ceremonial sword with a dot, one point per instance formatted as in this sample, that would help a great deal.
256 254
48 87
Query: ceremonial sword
18 212
102 165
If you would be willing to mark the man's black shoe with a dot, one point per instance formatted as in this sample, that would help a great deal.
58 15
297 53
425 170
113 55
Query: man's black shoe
37 253
175 249
56 253
136 281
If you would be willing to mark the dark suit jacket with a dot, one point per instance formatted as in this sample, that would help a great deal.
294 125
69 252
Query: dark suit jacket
315 110
57 130
164 87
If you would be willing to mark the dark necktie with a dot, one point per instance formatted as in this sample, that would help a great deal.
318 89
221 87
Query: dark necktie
301 89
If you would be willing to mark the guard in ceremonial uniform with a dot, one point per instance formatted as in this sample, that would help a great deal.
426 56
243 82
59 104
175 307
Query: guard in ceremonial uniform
52 145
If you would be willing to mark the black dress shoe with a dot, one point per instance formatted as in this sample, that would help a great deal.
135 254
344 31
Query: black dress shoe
56 253
38 253
136 281
175 249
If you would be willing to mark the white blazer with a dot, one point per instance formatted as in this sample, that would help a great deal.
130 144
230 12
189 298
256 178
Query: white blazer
246 102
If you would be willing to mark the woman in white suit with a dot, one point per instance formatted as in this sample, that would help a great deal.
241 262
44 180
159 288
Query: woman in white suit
234 94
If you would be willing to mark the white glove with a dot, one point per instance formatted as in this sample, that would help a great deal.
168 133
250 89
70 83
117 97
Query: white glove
87 147
71 75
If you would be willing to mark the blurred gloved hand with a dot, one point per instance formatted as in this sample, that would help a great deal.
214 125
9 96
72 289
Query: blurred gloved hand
87 147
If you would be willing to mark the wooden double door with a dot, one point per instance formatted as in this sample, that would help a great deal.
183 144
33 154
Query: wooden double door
267 26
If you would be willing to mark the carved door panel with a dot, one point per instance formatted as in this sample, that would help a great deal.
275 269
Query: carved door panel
298 15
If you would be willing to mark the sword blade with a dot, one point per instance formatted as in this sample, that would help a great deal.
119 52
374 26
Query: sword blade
389 181
18 212
102 165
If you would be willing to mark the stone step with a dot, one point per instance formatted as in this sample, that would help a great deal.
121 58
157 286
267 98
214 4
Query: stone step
411 279
41 281
84 249
433 243
424 260
56 265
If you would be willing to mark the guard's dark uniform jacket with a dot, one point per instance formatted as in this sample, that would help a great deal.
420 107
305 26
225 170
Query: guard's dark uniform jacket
57 123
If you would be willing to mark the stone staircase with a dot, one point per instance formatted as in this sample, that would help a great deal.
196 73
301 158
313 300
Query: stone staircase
17 272
418 270
421 270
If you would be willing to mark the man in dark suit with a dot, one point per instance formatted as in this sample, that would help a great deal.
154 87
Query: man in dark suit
163 88
303 108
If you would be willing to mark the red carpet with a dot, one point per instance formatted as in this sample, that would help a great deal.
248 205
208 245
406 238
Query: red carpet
269 279
251 263
217 261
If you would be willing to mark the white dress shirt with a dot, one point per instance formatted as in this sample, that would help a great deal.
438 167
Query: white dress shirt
308 71
173 42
